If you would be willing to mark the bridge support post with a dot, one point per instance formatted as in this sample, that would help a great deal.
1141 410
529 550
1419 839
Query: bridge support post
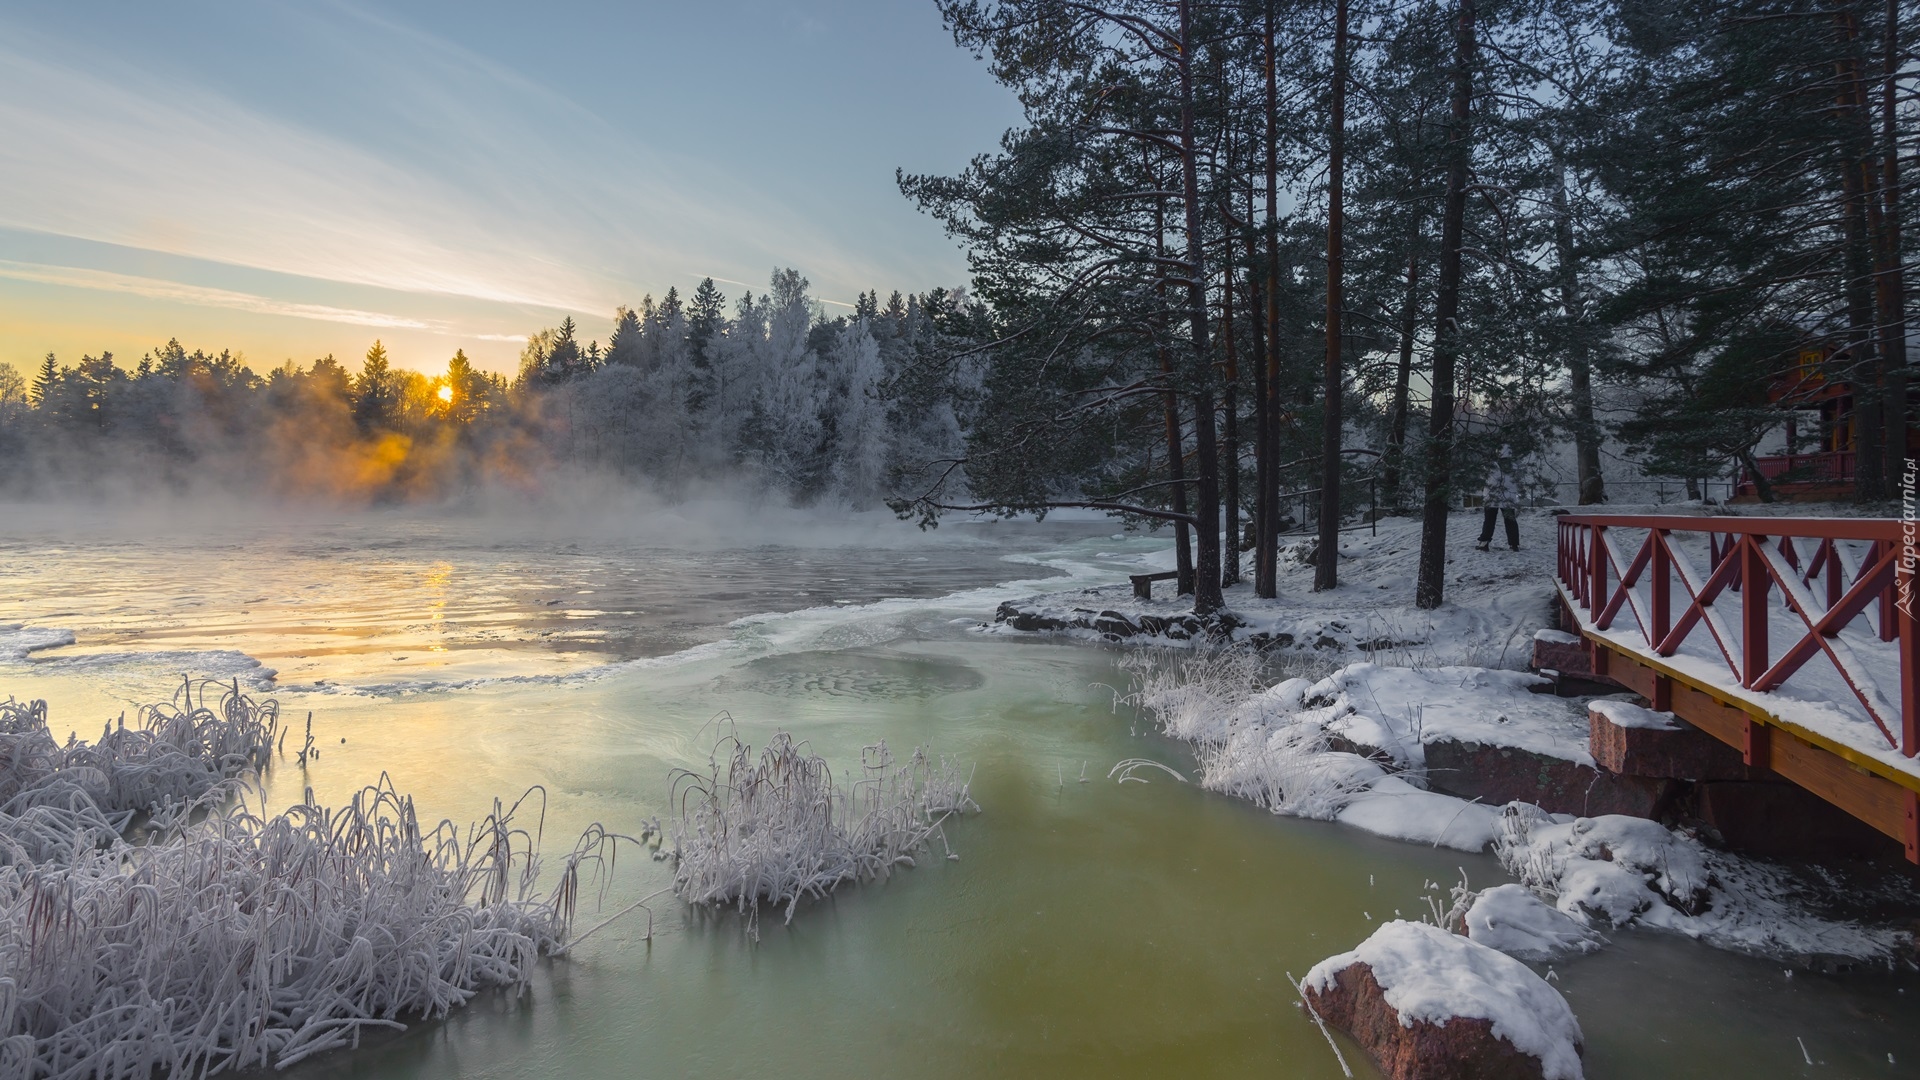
1912 838
1661 700
1756 748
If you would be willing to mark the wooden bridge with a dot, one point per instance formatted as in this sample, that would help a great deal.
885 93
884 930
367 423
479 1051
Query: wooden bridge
1793 640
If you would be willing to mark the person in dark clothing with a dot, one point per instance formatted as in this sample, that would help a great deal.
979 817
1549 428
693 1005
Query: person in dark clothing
1502 496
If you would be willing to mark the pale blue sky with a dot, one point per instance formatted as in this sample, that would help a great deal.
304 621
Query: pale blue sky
295 179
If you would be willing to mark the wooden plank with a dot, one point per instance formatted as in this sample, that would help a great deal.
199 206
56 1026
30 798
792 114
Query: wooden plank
1880 803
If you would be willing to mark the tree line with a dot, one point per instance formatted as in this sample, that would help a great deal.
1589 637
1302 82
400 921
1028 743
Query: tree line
814 409
1244 254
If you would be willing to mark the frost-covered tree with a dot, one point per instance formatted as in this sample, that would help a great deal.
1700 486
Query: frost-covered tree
860 449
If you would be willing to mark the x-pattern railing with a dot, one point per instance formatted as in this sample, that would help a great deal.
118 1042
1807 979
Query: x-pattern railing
1752 557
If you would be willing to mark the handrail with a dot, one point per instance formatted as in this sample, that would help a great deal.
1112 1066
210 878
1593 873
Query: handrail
1828 528
1753 557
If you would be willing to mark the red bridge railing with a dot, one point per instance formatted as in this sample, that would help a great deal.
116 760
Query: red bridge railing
1829 573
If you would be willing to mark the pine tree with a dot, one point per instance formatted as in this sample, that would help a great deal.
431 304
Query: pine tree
706 316
46 381
374 397
623 347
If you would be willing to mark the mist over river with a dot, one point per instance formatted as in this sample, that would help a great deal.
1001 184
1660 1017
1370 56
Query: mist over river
1087 928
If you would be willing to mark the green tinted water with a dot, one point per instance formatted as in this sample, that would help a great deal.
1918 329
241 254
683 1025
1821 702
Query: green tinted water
1088 929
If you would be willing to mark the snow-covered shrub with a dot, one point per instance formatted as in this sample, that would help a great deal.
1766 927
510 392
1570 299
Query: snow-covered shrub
778 827
221 937
1254 741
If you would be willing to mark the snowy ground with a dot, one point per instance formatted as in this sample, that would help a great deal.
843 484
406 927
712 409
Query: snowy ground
1495 599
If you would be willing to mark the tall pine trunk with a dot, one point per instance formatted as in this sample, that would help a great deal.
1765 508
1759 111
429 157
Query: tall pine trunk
1396 456
1230 450
1264 490
1176 440
1269 554
1206 594
1857 181
1431 588
1326 565
1890 290
1586 430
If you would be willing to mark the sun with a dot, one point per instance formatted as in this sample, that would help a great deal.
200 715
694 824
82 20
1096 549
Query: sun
446 394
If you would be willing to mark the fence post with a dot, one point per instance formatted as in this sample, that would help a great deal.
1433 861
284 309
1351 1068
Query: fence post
1753 607
1909 647
1889 598
1596 572
1660 590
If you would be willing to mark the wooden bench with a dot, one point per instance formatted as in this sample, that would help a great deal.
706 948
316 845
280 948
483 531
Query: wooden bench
1143 583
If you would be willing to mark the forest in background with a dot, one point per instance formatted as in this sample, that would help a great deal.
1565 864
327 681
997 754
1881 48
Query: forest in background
1248 265
812 409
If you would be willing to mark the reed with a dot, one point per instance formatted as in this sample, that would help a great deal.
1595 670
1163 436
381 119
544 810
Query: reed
216 936
776 827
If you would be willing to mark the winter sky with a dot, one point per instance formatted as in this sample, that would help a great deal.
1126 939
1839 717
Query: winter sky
295 179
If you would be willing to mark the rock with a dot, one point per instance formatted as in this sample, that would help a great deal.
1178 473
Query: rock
1626 738
1429 1005
1568 661
1497 775
1564 653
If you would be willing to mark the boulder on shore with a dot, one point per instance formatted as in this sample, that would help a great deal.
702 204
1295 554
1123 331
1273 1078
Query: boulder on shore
1429 1005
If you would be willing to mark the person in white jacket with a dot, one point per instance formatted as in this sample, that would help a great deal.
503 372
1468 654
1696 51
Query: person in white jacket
1501 497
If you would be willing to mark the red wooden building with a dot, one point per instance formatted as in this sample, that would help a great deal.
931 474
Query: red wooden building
1822 431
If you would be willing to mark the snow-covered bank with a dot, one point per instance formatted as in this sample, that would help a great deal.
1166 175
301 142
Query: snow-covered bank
1288 748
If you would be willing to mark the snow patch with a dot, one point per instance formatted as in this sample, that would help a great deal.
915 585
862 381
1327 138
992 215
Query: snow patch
1626 714
1393 808
16 641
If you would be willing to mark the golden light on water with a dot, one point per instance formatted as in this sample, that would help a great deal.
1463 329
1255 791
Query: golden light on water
446 394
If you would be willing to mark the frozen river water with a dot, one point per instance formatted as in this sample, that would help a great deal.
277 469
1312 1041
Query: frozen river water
1088 929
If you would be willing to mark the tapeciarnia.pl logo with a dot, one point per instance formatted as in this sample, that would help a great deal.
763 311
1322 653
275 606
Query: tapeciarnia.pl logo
1904 569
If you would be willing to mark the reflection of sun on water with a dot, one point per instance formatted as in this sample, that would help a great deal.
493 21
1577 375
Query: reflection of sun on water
437 578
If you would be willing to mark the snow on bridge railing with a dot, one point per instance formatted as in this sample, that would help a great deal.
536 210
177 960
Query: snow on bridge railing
1846 593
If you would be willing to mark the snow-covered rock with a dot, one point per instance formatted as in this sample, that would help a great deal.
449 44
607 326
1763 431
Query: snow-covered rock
1616 871
1401 710
1433 1005
1515 921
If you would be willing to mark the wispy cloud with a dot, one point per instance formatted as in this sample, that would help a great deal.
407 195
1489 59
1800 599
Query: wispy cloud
178 292
450 175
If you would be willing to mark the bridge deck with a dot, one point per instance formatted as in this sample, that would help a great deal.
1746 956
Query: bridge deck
1834 712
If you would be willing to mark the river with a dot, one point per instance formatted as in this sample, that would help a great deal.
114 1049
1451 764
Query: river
1087 928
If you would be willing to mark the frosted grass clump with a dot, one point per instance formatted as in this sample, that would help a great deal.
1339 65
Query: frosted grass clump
222 938
1252 741
777 827
56 799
